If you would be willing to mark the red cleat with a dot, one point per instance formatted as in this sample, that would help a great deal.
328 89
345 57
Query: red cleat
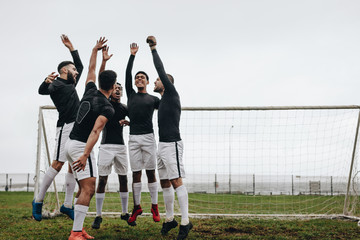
86 235
135 212
76 236
155 212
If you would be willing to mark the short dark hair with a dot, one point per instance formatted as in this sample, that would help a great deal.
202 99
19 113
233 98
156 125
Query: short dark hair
119 85
107 79
171 78
142 72
63 64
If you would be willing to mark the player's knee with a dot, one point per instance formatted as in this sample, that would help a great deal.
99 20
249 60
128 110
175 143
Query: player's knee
151 176
165 183
57 165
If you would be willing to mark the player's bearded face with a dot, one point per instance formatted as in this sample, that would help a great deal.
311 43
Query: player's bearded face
71 77
159 87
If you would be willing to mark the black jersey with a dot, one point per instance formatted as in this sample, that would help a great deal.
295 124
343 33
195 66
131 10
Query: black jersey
63 94
140 105
170 108
92 105
113 131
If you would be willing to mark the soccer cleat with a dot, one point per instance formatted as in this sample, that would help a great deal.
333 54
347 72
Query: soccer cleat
96 223
135 212
67 211
76 236
184 231
167 226
125 216
86 235
36 210
155 212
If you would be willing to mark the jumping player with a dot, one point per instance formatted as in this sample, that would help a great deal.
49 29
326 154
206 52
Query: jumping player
64 96
92 116
170 149
112 151
142 145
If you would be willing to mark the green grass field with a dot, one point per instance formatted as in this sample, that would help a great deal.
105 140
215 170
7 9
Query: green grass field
16 222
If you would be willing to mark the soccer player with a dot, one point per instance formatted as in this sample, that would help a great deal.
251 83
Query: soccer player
94 112
142 145
112 151
64 96
170 151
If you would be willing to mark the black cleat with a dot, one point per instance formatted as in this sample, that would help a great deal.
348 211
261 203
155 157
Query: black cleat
167 226
184 231
124 216
96 223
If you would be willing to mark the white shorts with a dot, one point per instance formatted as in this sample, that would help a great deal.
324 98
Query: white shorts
74 149
112 154
142 152
62 135
170 164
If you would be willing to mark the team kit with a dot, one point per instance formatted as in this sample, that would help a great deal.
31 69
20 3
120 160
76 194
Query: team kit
80 123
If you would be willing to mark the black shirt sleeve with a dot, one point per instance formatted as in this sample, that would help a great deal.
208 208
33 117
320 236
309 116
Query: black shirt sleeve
44 88
78 64
128 76
161 71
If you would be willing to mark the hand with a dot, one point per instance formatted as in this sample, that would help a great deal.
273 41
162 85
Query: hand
100 43
134 48
105 53
66 42
80 164
124 122
51 77
151 40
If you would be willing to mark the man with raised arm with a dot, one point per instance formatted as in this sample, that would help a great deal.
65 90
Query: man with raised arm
142 145
94 112
112 151
170 149
64 96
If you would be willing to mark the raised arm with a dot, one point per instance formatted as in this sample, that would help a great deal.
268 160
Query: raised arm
91 77
90 143
105 58
159 65
128 76
44 87
75 55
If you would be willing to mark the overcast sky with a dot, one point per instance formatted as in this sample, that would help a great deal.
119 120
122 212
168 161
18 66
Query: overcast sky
221 53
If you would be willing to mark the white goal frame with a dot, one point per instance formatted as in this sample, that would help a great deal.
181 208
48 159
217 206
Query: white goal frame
345 214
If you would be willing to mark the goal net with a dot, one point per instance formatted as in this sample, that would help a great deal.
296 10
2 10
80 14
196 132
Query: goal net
251 161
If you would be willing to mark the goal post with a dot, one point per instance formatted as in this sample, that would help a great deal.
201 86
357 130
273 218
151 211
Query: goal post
287 161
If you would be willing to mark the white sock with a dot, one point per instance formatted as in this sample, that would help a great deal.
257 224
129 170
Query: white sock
99 203
169 197
137 193
124 196
46 182
75 200
153 189
182 195
70 187
80 213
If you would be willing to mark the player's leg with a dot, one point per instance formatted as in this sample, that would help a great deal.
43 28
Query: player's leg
87 180
121 168
70 182
149 158
136 164
105 162
99 197
168 190
176 173
49 176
